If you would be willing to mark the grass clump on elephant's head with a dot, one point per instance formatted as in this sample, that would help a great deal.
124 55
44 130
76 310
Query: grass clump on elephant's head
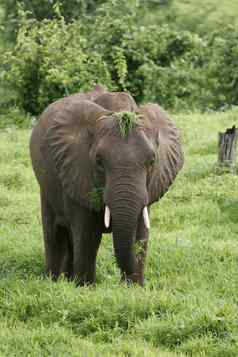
95 198
126 121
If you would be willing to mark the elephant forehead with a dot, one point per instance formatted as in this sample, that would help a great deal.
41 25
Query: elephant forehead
134 148
135 140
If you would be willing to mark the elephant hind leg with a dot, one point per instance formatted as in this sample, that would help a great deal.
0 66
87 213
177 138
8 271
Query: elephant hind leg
63 252
58 245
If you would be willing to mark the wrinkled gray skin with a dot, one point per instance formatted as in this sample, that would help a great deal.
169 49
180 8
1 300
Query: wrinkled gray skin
116 102
75 147
91 95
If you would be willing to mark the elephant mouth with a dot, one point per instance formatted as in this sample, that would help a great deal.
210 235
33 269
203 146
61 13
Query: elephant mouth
107 217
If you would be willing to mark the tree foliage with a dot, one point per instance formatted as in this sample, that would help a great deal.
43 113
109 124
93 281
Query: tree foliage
178 69
45 9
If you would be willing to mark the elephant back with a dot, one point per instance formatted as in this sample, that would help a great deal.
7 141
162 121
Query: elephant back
116 101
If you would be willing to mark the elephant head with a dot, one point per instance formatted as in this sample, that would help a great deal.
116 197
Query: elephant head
134 157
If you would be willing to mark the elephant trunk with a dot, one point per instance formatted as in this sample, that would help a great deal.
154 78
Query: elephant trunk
124 231
126 204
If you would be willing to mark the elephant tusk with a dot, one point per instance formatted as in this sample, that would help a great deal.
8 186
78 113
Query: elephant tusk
107 217
146 217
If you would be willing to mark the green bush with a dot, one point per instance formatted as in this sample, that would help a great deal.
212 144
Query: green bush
45 9
202 17
52 59
178 69
49 61
57 54
223 67
13 117
165 65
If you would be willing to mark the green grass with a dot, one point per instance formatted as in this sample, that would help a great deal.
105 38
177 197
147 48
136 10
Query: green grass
189 305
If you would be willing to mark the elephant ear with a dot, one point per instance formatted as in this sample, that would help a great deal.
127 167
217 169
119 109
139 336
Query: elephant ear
68 141
170 156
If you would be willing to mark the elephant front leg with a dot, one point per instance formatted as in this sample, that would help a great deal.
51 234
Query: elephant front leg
141 244
86 241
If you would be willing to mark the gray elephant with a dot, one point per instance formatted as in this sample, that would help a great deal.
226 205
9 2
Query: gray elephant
99 170
116 101
90 95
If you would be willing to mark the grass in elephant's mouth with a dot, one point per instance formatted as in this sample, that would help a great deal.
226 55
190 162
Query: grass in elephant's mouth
189 304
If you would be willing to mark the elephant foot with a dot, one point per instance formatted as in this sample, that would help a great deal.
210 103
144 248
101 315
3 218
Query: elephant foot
55 276
84 279
133 278
51 275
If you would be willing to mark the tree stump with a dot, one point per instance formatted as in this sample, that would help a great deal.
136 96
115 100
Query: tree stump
227 148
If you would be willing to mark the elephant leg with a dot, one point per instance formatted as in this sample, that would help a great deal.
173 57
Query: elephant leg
58 248
64 249
141 244
86 241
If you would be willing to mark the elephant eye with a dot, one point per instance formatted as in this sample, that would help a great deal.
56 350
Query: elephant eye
99 163
152 160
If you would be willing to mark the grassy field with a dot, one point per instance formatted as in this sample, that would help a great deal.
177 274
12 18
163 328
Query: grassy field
189 305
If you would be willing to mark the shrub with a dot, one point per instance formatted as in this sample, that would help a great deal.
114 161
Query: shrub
49 61
52 59
164 66
178 69
45 9
223 67
13 117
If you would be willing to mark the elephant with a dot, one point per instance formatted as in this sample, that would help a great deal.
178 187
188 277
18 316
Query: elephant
91 95
96 179
116 101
